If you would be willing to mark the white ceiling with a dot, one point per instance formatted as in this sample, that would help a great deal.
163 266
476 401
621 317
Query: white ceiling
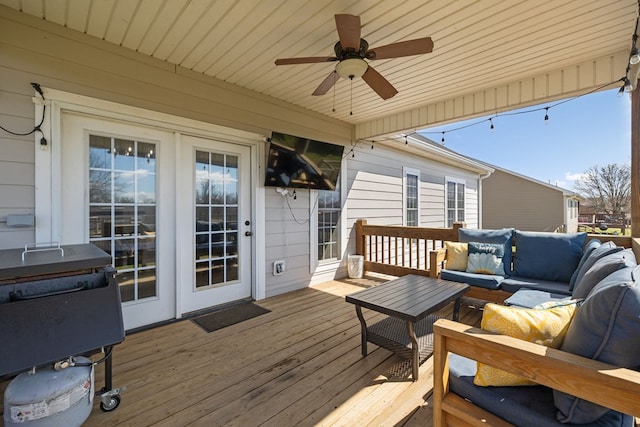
478 44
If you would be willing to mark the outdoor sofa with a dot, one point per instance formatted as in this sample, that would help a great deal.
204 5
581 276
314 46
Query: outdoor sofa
576 354
548 265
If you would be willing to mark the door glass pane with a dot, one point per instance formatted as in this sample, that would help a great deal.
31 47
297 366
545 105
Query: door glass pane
216 211
122 211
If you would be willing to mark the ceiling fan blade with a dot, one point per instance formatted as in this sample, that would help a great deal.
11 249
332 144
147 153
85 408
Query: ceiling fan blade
307 60
349 31
378 83
326 84
405 48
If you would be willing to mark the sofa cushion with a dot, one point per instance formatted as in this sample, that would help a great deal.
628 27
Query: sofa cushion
489 281
605 328
547 256
521 406
530 298
485 258
504 237
515 283
589 247
599 252
601 269
457 253
541 326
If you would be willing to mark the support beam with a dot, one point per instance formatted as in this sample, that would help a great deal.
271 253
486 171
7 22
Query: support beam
635 163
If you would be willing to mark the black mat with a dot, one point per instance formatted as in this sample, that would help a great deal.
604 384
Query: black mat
229 316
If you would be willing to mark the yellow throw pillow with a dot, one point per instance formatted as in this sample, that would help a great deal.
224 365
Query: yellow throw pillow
457 254
541 326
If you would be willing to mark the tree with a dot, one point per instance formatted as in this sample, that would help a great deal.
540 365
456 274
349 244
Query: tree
607 188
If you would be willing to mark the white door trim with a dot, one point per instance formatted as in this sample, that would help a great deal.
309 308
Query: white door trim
48 160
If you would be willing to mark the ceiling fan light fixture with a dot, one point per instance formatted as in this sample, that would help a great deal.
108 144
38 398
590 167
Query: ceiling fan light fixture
351 68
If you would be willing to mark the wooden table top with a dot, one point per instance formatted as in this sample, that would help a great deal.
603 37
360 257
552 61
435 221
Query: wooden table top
409 297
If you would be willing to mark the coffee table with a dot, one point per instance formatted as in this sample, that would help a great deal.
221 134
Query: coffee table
409 301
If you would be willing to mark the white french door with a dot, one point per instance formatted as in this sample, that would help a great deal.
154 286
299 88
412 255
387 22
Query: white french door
214 195
118 192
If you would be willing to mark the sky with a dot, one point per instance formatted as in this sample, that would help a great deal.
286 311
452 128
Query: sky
590 130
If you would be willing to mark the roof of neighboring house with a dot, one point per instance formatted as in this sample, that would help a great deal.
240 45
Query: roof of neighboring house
491 168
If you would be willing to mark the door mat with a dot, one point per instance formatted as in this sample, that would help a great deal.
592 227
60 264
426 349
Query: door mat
229 316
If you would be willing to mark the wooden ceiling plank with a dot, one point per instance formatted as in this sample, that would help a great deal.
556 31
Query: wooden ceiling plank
99 17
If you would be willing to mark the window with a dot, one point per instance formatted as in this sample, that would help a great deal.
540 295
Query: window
455 201
329 211
572 207
411 201
122 210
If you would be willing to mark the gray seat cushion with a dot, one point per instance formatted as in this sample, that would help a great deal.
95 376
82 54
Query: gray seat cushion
487 281
514 283
530 406
529 298
605 328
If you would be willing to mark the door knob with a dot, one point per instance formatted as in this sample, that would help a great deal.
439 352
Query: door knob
248 233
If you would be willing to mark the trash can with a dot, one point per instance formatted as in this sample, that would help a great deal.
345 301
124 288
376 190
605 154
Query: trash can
355 266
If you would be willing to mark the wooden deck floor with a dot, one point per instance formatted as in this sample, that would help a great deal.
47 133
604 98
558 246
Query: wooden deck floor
299 365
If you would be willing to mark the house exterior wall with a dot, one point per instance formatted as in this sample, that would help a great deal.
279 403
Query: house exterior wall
511 201
375 189
33 50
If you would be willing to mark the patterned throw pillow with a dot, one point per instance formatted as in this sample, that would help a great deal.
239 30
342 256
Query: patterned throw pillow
456 256
545 327
485 258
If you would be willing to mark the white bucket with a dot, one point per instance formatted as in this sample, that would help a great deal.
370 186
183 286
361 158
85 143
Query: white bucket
355 266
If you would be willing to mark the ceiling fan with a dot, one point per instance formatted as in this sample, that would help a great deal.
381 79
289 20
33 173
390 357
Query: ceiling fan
352 52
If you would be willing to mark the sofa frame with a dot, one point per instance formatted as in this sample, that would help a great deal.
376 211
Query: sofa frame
610 386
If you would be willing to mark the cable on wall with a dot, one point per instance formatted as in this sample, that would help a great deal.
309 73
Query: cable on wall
36 128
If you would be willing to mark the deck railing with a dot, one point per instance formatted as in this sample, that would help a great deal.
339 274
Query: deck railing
398 250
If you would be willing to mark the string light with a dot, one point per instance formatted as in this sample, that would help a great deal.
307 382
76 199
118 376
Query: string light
492 127
496 115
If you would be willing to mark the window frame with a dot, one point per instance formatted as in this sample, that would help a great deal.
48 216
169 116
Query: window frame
316 265
456 182
406 171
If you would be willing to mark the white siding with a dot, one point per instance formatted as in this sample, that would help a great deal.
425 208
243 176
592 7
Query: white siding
375 188
58 58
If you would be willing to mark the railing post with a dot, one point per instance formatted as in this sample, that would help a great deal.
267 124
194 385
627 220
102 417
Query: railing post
456 227
360 237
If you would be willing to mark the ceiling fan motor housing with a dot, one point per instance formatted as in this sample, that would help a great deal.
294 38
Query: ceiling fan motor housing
348 53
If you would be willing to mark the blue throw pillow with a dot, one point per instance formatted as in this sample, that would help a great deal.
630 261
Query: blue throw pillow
485 258
547 256
503 237
599 252
605 328
588 248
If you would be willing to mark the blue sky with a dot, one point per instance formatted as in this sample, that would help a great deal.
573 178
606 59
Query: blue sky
591 130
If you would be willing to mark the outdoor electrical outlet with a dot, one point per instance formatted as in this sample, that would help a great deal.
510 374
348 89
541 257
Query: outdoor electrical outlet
278 268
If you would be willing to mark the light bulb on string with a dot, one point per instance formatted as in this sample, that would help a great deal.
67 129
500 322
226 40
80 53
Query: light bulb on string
372 144
442 138
491 128
546 115
405 140
621 91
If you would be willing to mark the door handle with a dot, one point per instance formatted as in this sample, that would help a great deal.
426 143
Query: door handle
248 233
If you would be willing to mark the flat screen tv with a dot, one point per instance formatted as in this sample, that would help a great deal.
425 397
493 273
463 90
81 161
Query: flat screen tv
294 162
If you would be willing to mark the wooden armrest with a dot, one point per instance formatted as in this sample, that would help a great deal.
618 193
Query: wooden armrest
436 259
607 385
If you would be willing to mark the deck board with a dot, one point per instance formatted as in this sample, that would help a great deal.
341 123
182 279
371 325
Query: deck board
298 365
